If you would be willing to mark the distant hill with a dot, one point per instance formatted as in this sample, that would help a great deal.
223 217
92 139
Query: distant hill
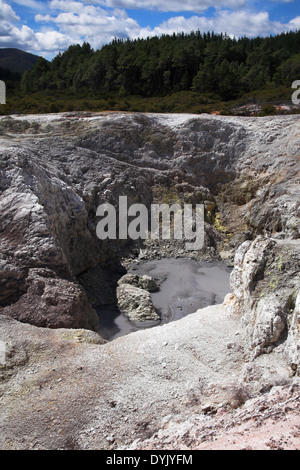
16 61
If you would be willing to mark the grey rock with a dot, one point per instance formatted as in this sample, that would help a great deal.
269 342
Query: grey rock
143 282
136 303
265 281
292 348
270 323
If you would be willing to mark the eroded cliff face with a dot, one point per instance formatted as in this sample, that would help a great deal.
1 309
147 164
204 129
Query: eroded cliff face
55 171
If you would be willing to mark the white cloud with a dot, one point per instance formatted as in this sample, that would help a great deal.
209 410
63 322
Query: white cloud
11 36
25 38
50 41
43 18
237 23
295 23
71 6
7 13
90 23
196 6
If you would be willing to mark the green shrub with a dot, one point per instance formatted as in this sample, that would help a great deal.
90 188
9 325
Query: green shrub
268 110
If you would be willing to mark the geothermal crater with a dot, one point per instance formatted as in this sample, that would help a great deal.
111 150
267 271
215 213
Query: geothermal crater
225 373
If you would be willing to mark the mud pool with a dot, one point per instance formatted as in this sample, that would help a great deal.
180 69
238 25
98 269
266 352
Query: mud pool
185 286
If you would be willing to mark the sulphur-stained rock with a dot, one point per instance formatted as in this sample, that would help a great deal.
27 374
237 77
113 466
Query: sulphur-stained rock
136 304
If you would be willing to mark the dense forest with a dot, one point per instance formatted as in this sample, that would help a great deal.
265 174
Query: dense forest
215 67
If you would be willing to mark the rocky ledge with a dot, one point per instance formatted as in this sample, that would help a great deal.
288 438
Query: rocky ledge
214 375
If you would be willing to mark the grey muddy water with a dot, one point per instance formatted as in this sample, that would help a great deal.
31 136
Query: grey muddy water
185 286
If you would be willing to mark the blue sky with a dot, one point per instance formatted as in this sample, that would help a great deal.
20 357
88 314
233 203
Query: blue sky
48 27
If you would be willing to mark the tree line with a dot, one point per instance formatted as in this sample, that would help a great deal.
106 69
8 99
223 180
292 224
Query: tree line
158 66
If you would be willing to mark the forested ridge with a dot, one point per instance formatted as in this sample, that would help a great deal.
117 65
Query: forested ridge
214 66
16 61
